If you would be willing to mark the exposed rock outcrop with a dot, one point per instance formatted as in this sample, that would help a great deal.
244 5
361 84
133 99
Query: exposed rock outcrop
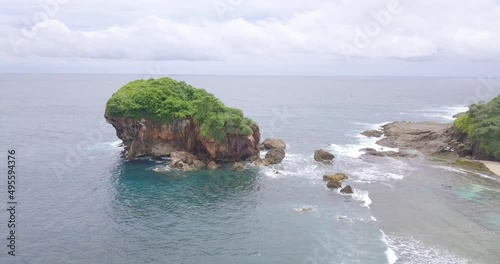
323 156
261 162
373 133
347 190
212 165
238 166
149 138
275 156
185 161
334 181
336 177
429 138
273 143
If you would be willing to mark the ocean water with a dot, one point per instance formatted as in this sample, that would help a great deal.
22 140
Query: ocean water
80 202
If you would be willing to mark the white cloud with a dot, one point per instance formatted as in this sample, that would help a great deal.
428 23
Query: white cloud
267 30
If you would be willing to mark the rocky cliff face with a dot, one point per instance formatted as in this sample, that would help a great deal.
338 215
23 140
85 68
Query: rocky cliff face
148 138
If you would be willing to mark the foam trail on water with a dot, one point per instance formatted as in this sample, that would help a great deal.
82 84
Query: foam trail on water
362 196
441 114
464 171
295 165
391 255
410 250
353 150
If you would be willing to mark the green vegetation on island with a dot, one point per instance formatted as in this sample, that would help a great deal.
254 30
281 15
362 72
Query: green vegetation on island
165 100
482 124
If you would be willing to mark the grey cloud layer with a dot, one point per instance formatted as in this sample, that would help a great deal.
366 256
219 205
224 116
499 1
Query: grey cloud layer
321 30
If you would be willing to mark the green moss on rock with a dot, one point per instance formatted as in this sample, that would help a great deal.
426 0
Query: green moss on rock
164 100
469 164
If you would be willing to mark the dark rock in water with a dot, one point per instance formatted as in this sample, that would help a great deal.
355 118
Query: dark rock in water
447 186
323 156
368 150
334 184
273 143
347 189
238 166
275 156
212 165
373 133
336 177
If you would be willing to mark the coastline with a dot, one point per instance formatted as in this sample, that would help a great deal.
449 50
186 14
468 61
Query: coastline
437 141
493 166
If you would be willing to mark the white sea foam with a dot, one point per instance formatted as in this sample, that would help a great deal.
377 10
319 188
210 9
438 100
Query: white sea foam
363 196
370 126
306 209
389 170
353 150
444 113
392 257
485 176
373 218
105 145
448 168
464 171
295 165
411 250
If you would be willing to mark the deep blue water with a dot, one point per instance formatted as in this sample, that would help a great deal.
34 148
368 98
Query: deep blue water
80 202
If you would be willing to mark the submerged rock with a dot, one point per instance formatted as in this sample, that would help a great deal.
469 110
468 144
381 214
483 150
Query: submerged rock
275 156
273 143
323 156
305 209
347 190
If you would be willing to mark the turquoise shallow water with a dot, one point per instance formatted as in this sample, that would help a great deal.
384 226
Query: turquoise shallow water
79 202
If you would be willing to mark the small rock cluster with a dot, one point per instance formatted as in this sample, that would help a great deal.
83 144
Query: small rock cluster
276 152
335 182
186 161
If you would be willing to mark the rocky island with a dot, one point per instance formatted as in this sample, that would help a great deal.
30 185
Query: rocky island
161 117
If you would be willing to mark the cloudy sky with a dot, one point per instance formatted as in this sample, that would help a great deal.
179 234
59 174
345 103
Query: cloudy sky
257 37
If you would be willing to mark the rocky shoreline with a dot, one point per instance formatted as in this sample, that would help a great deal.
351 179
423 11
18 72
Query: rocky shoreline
438 141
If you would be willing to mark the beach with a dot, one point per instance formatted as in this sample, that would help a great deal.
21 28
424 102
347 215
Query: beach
492 166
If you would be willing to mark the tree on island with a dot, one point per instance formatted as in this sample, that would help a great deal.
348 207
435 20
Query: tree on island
482 124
